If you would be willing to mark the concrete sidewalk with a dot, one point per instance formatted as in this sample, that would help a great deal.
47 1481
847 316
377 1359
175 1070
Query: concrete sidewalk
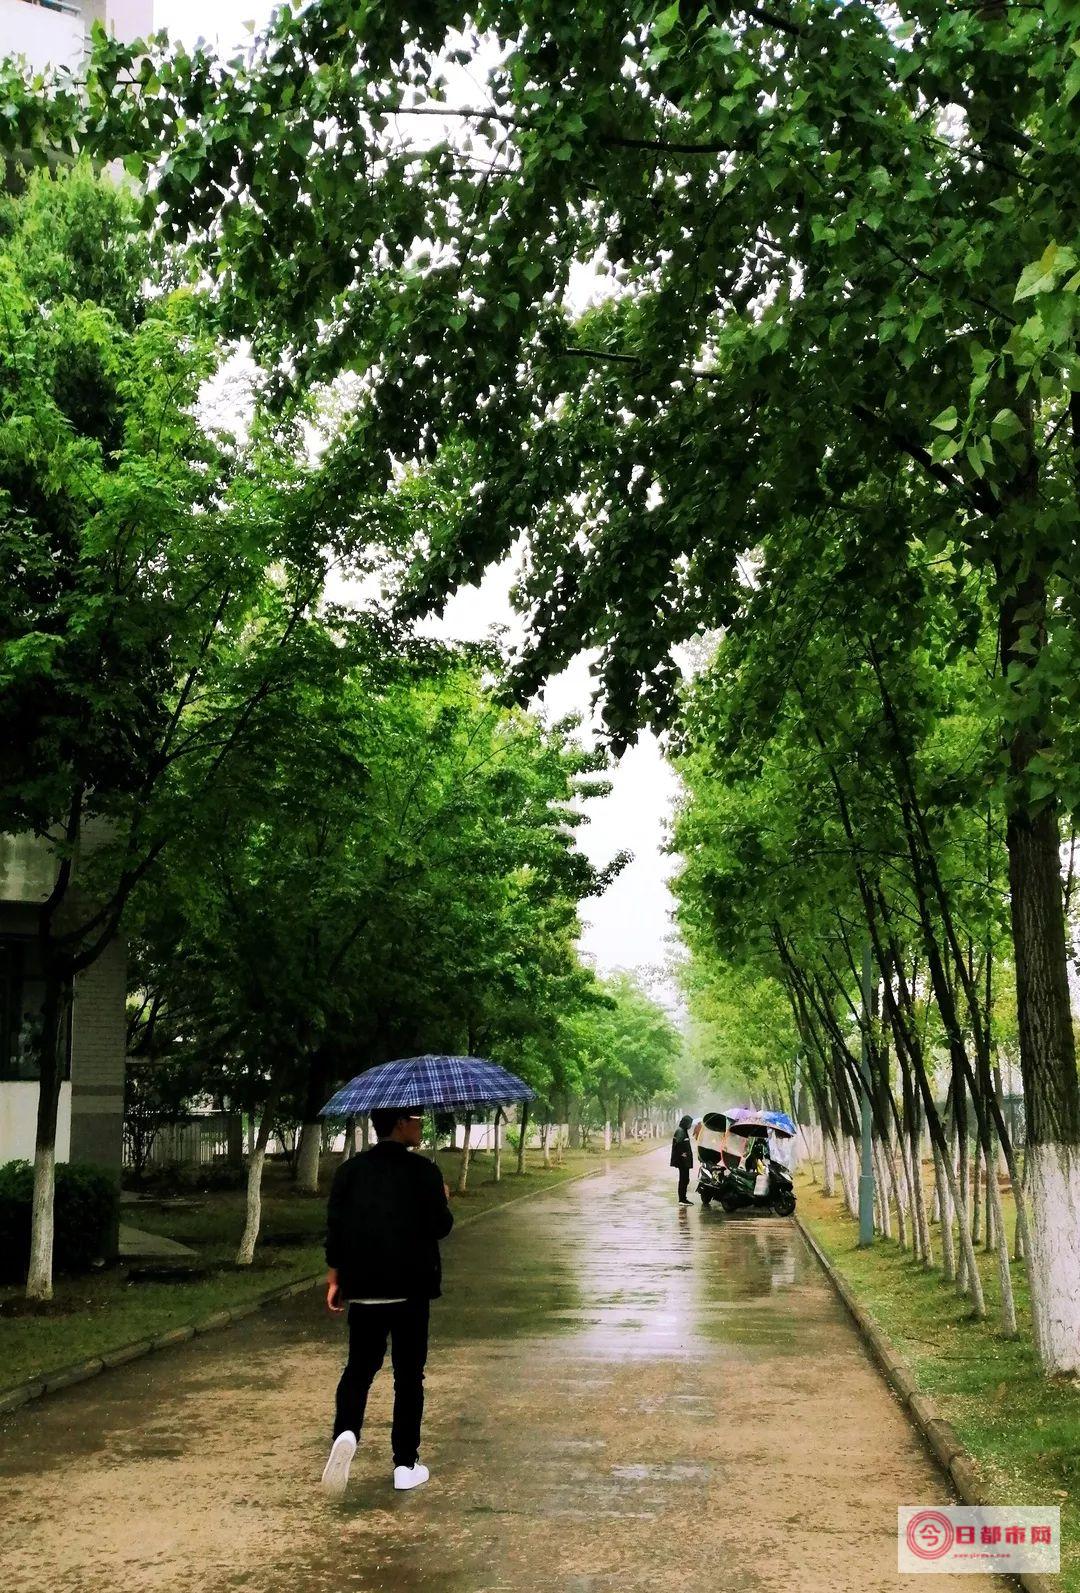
623 1394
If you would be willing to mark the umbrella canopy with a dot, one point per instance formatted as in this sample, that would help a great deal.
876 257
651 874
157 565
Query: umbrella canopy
428 1081
779 1122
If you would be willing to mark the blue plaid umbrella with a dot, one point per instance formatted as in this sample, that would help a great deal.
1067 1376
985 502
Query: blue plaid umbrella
428 1081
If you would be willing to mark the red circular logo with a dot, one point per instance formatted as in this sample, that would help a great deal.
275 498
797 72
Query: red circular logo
930 1534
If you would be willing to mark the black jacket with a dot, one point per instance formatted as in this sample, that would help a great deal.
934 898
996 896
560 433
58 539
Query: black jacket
387 1213
682 1151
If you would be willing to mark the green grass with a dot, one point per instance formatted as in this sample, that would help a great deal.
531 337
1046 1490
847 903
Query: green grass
1022 1429
102 1311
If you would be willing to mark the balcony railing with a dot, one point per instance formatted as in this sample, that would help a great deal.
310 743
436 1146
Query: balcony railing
62 6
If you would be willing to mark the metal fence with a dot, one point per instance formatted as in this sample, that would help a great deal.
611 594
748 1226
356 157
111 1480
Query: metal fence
196 1143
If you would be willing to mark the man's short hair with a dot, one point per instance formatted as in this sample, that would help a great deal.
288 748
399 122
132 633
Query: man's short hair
384 1119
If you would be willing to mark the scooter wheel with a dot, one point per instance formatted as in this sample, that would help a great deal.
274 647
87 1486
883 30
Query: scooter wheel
705 1196
730 1203
784 1205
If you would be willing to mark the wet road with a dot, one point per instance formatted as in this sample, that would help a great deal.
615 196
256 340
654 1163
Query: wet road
617 1387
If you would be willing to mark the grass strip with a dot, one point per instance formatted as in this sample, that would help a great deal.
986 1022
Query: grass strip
1021 1429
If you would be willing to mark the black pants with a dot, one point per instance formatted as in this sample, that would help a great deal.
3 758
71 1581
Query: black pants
370 1326
684 1182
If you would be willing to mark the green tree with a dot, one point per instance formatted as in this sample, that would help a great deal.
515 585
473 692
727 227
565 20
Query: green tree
155 580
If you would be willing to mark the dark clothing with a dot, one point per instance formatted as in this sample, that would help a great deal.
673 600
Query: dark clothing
406 1326
682 1156
387 1212
682 1151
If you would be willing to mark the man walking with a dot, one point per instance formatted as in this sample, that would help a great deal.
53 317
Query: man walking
682 1157
388 1210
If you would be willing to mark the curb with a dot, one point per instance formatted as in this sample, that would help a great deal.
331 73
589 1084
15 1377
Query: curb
14 1399
939 1435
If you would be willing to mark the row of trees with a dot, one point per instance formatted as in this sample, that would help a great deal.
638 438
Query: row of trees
844 887
327 841
838 249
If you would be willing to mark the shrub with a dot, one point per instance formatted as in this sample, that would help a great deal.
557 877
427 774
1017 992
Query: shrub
86 1215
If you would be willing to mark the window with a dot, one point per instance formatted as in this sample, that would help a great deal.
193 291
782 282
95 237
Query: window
22 992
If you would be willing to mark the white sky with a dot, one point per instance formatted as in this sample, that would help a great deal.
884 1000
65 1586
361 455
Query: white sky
629 926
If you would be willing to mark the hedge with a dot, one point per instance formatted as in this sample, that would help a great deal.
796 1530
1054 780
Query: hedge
87 1210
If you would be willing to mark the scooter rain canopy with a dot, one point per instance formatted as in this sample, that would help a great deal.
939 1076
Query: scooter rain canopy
777 1122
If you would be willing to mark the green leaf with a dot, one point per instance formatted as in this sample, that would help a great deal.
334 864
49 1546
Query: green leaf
947 420
665 21
1006 423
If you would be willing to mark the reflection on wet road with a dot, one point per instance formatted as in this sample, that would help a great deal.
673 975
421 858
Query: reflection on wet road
622 1394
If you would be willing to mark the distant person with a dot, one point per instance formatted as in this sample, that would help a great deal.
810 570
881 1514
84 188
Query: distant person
682 1157
388 1210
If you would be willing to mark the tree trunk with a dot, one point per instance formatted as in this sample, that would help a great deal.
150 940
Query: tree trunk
1047 1047
39 1278
234 1133
466 1153
828 1176
308 1156
246 1253
844 1168
499 1114
573 1138
365 1132
545 1143
523 1129
948 1252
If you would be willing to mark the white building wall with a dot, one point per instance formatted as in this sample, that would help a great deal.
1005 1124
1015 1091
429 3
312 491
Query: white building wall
18 1122
56 34
129 19
46 37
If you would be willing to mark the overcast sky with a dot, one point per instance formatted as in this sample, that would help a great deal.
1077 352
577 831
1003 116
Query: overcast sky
629 926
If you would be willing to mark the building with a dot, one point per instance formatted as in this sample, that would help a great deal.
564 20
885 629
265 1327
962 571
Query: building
91 1121
54 33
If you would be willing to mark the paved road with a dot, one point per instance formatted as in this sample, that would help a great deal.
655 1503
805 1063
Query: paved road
623 1395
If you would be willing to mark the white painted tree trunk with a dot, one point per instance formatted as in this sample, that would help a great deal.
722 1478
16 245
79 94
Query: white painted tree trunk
246 1253
523 1130
995 1222
498 1143
884 1214
845 1179
545 1143
992 1206
39 1284
828 1165
854 1160
972 1282
365 1131
466 1153
607 1134
900 1187
923 1243
307 1158
1053 1184
256 1162
948 1250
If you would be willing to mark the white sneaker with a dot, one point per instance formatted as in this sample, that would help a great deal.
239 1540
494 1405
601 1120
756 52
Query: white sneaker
410 1476
336 1472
